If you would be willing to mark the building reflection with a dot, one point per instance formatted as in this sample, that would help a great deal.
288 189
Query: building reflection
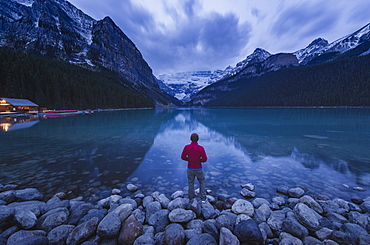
15 123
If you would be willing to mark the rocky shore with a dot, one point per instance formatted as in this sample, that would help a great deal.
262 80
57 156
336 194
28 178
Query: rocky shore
291 217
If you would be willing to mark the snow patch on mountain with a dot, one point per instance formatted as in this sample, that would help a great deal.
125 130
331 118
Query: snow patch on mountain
184 85
320 46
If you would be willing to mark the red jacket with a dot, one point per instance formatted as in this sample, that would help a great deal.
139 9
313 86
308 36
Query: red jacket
195 155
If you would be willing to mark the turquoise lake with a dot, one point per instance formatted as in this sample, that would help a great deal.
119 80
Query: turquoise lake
88 155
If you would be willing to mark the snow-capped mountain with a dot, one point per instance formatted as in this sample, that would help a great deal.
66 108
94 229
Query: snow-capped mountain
320 46
185 85
56 29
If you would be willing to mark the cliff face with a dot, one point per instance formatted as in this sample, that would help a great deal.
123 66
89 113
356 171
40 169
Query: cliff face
57 29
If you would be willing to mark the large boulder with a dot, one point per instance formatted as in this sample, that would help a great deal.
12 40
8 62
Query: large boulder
243 207
248 232
307 216
83 231
130 231
174 234
180 215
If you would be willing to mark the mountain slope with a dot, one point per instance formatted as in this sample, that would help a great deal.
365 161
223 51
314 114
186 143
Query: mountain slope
58 30
341 83
185 85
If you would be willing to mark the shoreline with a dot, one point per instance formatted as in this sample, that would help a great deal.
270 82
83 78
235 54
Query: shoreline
130 217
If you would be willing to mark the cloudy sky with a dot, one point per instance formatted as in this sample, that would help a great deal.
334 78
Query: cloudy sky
192 35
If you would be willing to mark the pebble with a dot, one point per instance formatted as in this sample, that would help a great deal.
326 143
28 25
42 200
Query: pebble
155 218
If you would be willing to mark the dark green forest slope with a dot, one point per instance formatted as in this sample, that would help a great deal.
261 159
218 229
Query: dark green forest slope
60 85
344 82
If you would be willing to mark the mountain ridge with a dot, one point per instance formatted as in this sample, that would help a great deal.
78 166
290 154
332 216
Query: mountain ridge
57 29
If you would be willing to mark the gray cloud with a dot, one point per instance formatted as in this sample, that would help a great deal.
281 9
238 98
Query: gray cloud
210 41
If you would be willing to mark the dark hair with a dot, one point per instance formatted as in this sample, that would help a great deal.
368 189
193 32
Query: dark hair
194 137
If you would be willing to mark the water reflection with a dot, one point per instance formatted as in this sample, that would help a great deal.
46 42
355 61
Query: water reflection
16 123
89 155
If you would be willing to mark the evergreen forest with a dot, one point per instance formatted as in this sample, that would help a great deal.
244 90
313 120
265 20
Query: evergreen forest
345 82
59 85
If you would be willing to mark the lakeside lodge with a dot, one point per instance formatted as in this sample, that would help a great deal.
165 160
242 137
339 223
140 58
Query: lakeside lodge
9 105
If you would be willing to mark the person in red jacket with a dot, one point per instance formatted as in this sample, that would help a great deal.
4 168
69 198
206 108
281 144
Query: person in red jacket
195 155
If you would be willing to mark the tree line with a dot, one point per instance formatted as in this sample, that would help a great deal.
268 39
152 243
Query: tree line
345 82
60 85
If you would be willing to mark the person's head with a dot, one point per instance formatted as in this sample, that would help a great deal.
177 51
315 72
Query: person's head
194 137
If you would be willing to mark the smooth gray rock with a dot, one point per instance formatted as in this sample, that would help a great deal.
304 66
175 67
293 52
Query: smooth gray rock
147 200
354 231
247 193
258 202
309 240
132 187
7 196
265 228
262 213
159 220
159 238
177 194
128 201
283 190
54 203
211 229
99 213
287 239
196 225
361 219
25 218
144 239
208 211
293 227
177 203
180 215
163 200
59 235
6 213
248 186
311 203
248 232
77 211
227 220
8 232
152 208
83 231
280 201
23 234
323 233
243 207
275 221
28 194
174 234
53 220
131 229
296 192
109 226
227 237
139 215
202 239
307 216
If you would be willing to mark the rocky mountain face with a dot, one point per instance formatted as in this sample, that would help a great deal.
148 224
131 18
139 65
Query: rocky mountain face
254 68
321 47
261 62
185 85
57 29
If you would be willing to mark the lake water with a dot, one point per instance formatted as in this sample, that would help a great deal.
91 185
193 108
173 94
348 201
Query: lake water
89 155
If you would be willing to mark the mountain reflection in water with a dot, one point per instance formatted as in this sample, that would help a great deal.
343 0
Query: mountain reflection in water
88 155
